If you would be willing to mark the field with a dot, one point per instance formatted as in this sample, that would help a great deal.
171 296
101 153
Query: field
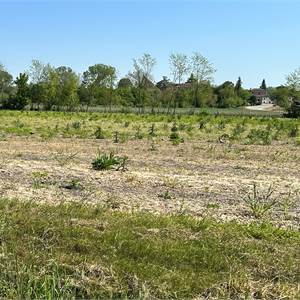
201 206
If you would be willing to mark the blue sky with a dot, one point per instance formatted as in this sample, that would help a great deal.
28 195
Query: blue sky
252 39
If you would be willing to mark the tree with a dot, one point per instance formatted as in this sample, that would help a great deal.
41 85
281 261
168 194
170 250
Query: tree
21 99
51 87
37 71
243 94
293 80
263 85
6 81
43 86
67 89
252 100
227 96
202 71
97 79
281 95
201 68
179 68
238 86
141 77
38 76
206 95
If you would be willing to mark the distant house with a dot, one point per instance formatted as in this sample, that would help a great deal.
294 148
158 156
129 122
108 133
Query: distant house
261 96
164 83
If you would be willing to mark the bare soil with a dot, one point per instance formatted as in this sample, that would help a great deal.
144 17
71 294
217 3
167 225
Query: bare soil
198 178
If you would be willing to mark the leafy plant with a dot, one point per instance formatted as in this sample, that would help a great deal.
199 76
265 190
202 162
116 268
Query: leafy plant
138 134
99 134
166 195
107 162
152 131
76 125
174 136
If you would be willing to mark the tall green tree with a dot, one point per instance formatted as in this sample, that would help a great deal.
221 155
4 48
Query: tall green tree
227 96
202 71
21 99
179 65
293 80
98 79
39 80
141 77
6 81
238 86
282 96
67 89
263 85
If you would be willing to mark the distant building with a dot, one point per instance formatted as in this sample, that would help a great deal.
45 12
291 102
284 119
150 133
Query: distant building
261 96
166 83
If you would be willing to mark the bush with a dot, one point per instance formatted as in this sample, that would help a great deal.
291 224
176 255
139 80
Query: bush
260 136
99 134
76 125
294 110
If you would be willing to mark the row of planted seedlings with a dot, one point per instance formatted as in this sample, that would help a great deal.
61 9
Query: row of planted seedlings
248 130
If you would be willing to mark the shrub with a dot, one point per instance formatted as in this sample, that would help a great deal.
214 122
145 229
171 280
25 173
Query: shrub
138 134
174 136
237 131
260 202
99 134
76 125
260 136
152 131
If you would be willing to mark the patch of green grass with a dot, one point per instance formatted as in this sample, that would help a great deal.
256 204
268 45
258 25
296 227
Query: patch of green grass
80 251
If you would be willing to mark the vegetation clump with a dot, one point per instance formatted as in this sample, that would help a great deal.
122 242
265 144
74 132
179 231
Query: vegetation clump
174 136
99 133
107 162
260 136
260 202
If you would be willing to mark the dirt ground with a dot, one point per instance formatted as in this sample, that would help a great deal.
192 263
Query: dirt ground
198 178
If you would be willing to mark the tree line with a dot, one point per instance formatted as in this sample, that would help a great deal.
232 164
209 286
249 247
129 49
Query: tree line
45 87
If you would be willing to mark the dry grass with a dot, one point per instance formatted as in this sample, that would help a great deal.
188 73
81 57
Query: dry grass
195 173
